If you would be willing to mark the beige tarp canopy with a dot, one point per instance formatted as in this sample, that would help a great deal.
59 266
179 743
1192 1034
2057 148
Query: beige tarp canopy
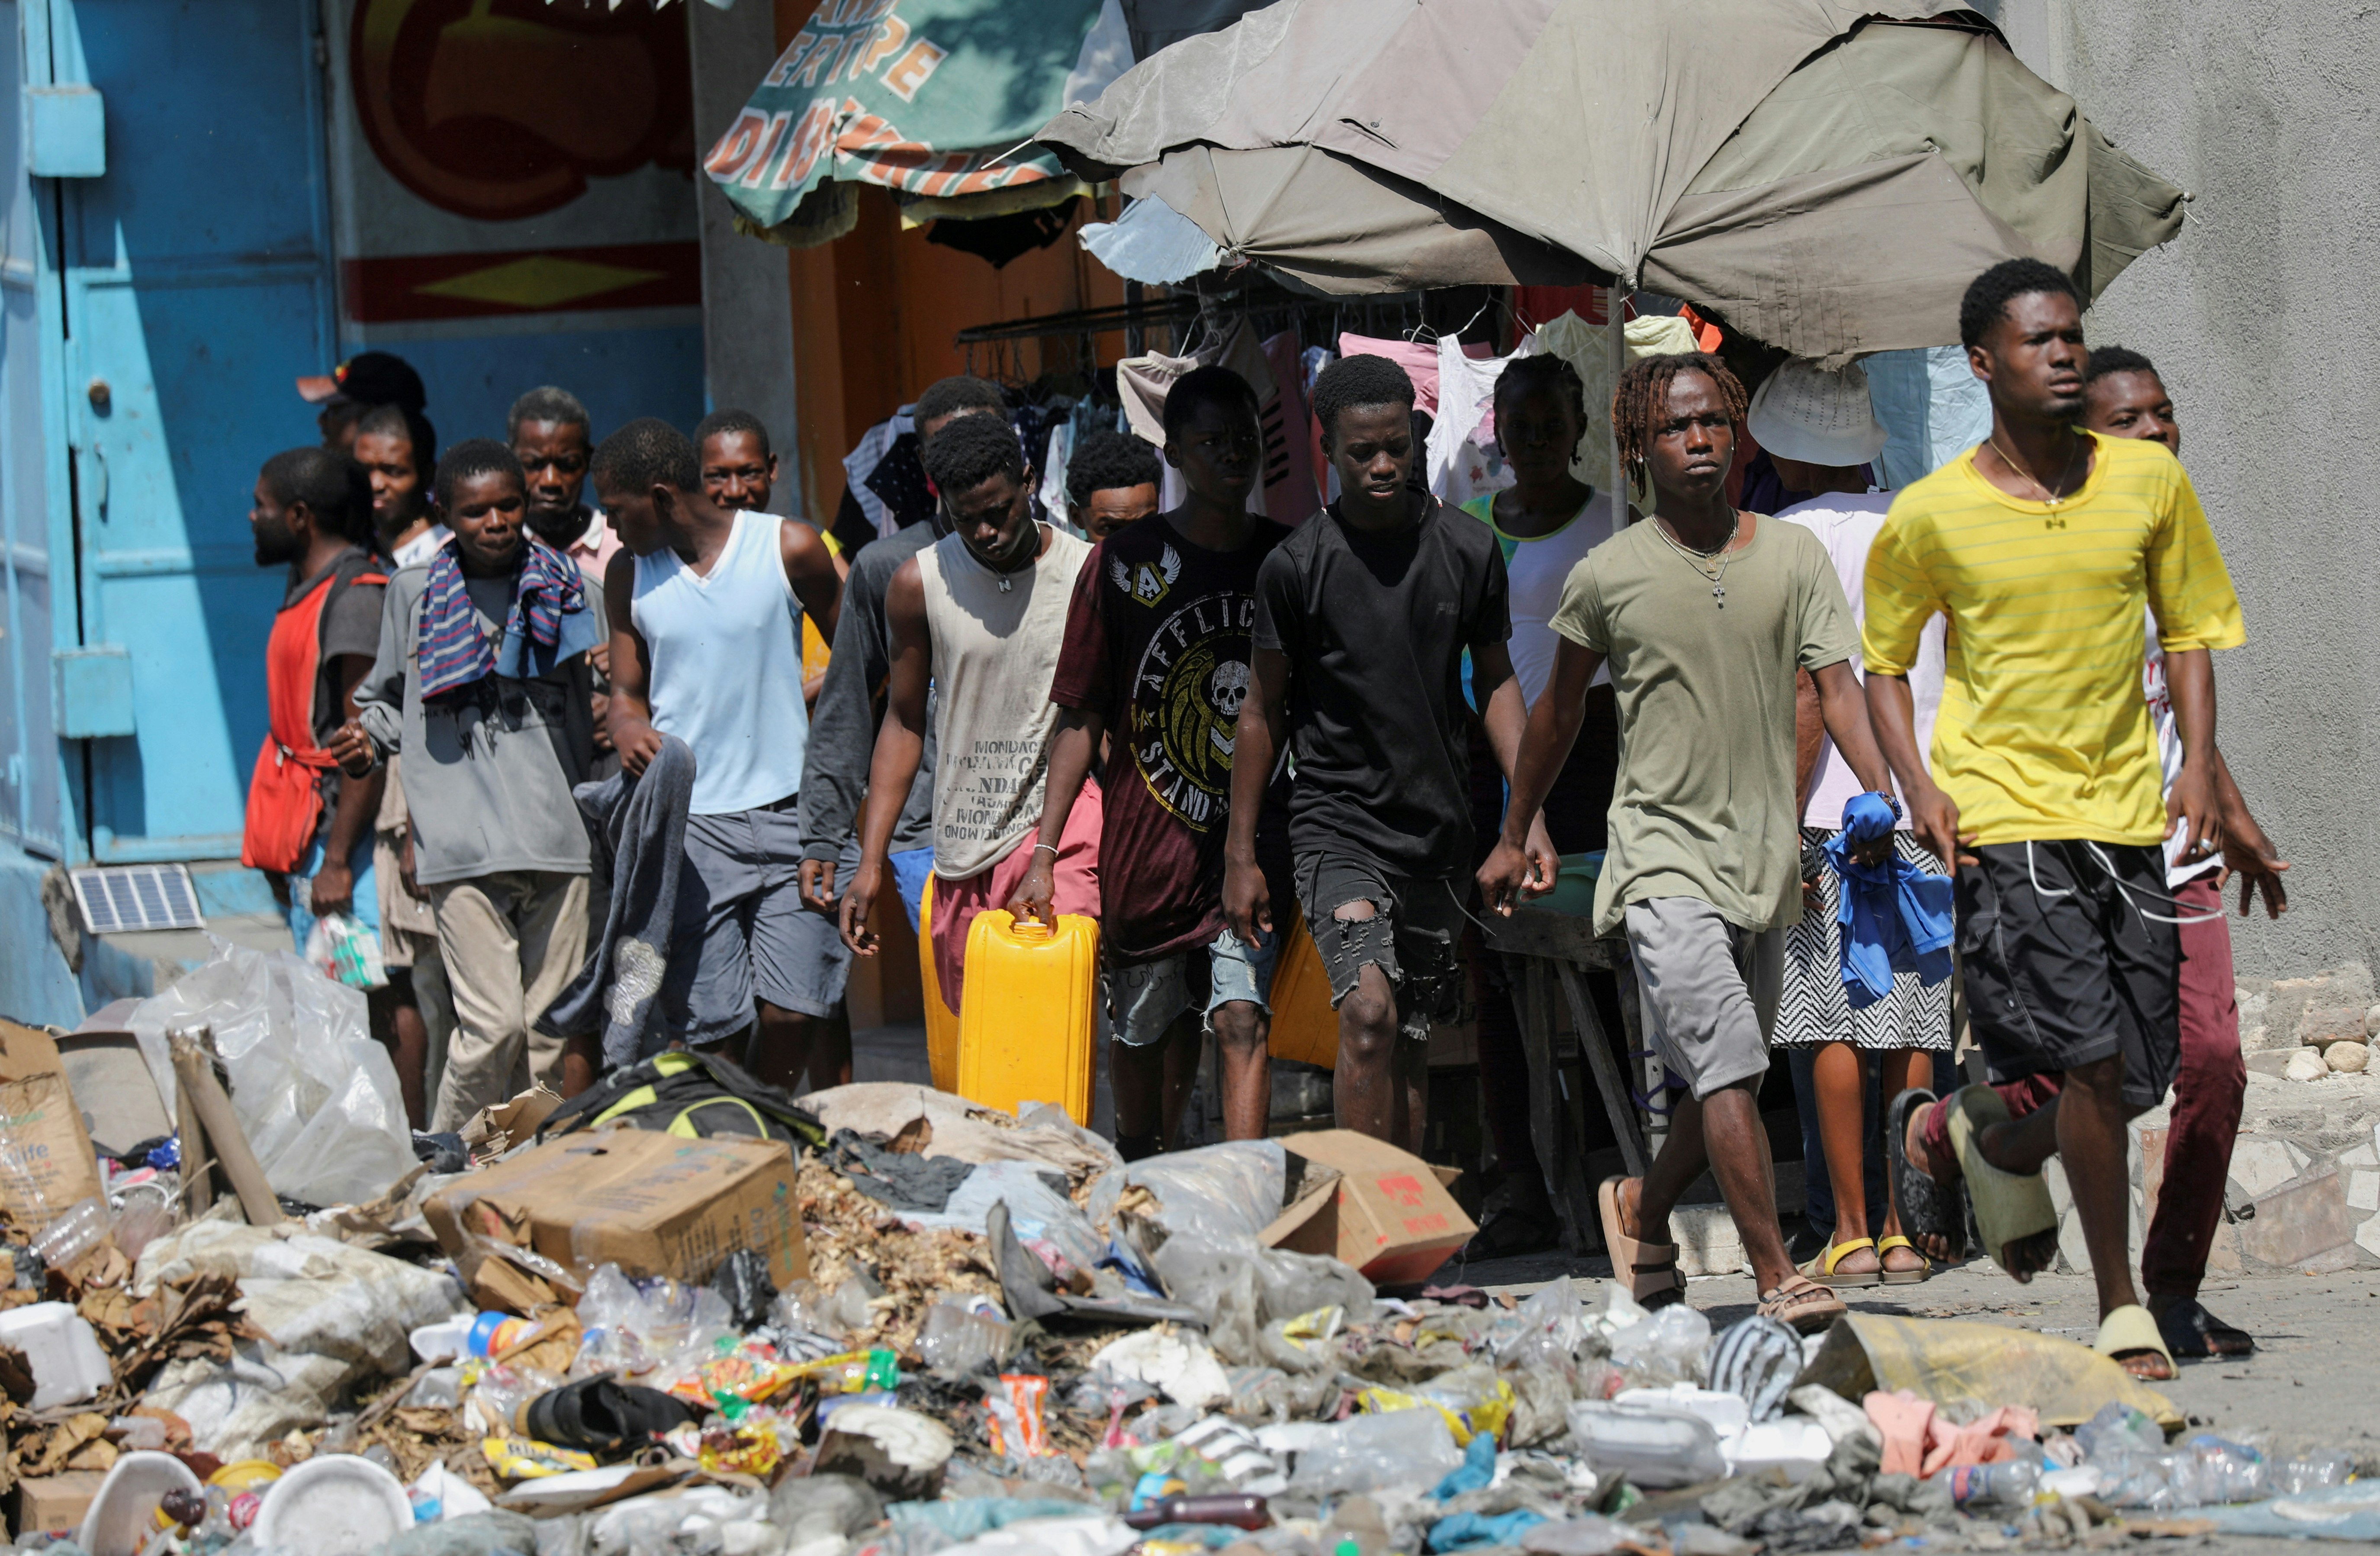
1827 176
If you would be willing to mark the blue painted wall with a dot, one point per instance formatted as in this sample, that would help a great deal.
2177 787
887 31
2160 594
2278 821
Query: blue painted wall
196 280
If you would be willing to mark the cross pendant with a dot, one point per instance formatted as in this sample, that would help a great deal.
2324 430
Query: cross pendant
1719 592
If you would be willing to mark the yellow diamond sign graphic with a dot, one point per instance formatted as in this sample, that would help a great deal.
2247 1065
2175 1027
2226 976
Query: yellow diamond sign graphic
538 281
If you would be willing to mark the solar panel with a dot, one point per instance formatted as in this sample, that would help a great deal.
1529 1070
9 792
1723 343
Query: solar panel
123 897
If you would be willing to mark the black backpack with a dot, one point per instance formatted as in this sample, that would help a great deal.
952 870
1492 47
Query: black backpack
689 1094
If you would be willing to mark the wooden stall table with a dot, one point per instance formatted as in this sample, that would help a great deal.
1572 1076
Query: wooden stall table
1549 952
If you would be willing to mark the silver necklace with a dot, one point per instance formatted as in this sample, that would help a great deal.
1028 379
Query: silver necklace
1702 561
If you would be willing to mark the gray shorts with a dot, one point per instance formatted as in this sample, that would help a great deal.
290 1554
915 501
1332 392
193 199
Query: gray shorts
1709 989
741 895
1142 999
1412 938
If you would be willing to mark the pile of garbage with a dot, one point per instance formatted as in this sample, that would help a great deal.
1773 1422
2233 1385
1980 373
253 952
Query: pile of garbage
885 1321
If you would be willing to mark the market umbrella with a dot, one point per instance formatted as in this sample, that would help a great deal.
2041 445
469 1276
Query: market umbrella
1827 176
935 100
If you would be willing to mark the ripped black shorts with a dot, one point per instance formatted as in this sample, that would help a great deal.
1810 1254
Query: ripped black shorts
1411 936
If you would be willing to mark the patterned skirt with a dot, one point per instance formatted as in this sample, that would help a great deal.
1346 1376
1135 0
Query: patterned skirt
1814 1008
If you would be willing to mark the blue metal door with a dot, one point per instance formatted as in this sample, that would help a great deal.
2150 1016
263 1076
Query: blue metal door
195 284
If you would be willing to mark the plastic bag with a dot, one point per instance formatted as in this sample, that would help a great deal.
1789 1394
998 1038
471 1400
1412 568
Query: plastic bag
317 1097
957 1342
1215 1193
1366 1452
1665 1348
1251 1295
345 949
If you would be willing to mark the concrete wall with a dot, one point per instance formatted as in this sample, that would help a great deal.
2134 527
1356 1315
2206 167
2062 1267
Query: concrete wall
2260 317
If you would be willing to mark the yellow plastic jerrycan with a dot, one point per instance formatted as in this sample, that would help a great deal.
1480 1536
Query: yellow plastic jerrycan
1028 1013
1304 1028
941 1022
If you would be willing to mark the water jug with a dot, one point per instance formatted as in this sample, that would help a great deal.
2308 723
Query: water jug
1029 1012
941 1022
1304 1028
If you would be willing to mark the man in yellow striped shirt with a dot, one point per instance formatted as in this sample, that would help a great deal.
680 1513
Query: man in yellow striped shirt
2042 546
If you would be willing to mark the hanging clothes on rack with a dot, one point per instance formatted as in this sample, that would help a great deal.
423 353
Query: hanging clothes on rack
899 482
861 462
1587 348
1419 359
1462 460
1291 494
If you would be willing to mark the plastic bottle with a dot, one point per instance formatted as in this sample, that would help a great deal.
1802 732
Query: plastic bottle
467 1334
2003 1486
75 1232
1240 1512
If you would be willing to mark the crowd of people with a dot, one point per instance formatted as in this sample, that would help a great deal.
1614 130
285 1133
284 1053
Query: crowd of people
1197 724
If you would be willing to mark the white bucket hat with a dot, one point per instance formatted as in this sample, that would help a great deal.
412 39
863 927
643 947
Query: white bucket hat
1802 411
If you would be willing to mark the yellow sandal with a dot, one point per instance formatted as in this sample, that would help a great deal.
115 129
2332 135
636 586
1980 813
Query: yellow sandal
2129 1331
1902 1277
1822 1268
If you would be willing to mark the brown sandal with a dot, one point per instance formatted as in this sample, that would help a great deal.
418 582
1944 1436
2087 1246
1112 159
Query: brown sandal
1801 1302
1650 1270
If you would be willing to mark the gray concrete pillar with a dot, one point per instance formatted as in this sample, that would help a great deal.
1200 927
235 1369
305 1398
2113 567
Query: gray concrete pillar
748 311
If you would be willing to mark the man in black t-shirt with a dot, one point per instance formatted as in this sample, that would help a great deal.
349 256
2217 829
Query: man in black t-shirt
1363 618
1156 659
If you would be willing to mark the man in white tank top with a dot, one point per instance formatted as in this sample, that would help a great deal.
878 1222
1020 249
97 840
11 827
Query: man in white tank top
981 614
707 609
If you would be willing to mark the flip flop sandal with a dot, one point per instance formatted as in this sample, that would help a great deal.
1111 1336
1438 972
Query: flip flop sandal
1809 1308
2009 1207
1892 1277
2129 1330
603 1415
1649 1269
1822 1268
2190 1331
1925 1207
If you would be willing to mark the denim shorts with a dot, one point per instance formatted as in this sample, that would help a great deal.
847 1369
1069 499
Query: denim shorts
1144 999
742 918
1411 937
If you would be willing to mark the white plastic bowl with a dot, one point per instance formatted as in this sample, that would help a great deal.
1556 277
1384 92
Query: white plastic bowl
340 1504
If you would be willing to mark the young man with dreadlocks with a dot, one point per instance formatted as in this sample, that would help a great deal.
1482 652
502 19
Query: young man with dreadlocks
2045 545
1362 617
1702 616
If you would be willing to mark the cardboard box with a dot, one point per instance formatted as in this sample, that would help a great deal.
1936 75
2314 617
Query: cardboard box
45 1158
1384 1210
53 1503
653 1204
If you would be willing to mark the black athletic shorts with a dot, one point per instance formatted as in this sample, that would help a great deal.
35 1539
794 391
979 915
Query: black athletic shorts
2067 961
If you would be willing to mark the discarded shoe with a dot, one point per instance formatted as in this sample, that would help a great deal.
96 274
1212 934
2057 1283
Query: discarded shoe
603 1415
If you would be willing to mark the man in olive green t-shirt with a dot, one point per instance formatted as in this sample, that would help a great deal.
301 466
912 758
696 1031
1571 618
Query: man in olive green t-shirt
1703 615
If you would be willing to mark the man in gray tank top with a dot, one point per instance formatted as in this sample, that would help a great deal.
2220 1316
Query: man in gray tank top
981 614
705 608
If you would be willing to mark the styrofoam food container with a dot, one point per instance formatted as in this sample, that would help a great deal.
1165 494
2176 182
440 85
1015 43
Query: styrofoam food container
338 1504
123 1517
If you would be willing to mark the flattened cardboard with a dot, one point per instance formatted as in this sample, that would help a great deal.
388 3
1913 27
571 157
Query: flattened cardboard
653 1203
45 1160
1387 1212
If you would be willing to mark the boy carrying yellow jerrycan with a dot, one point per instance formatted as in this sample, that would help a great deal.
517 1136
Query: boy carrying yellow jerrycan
1029 1015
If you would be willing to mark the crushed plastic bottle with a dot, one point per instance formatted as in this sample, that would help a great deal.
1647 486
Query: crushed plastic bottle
1665 1348
2008 1487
